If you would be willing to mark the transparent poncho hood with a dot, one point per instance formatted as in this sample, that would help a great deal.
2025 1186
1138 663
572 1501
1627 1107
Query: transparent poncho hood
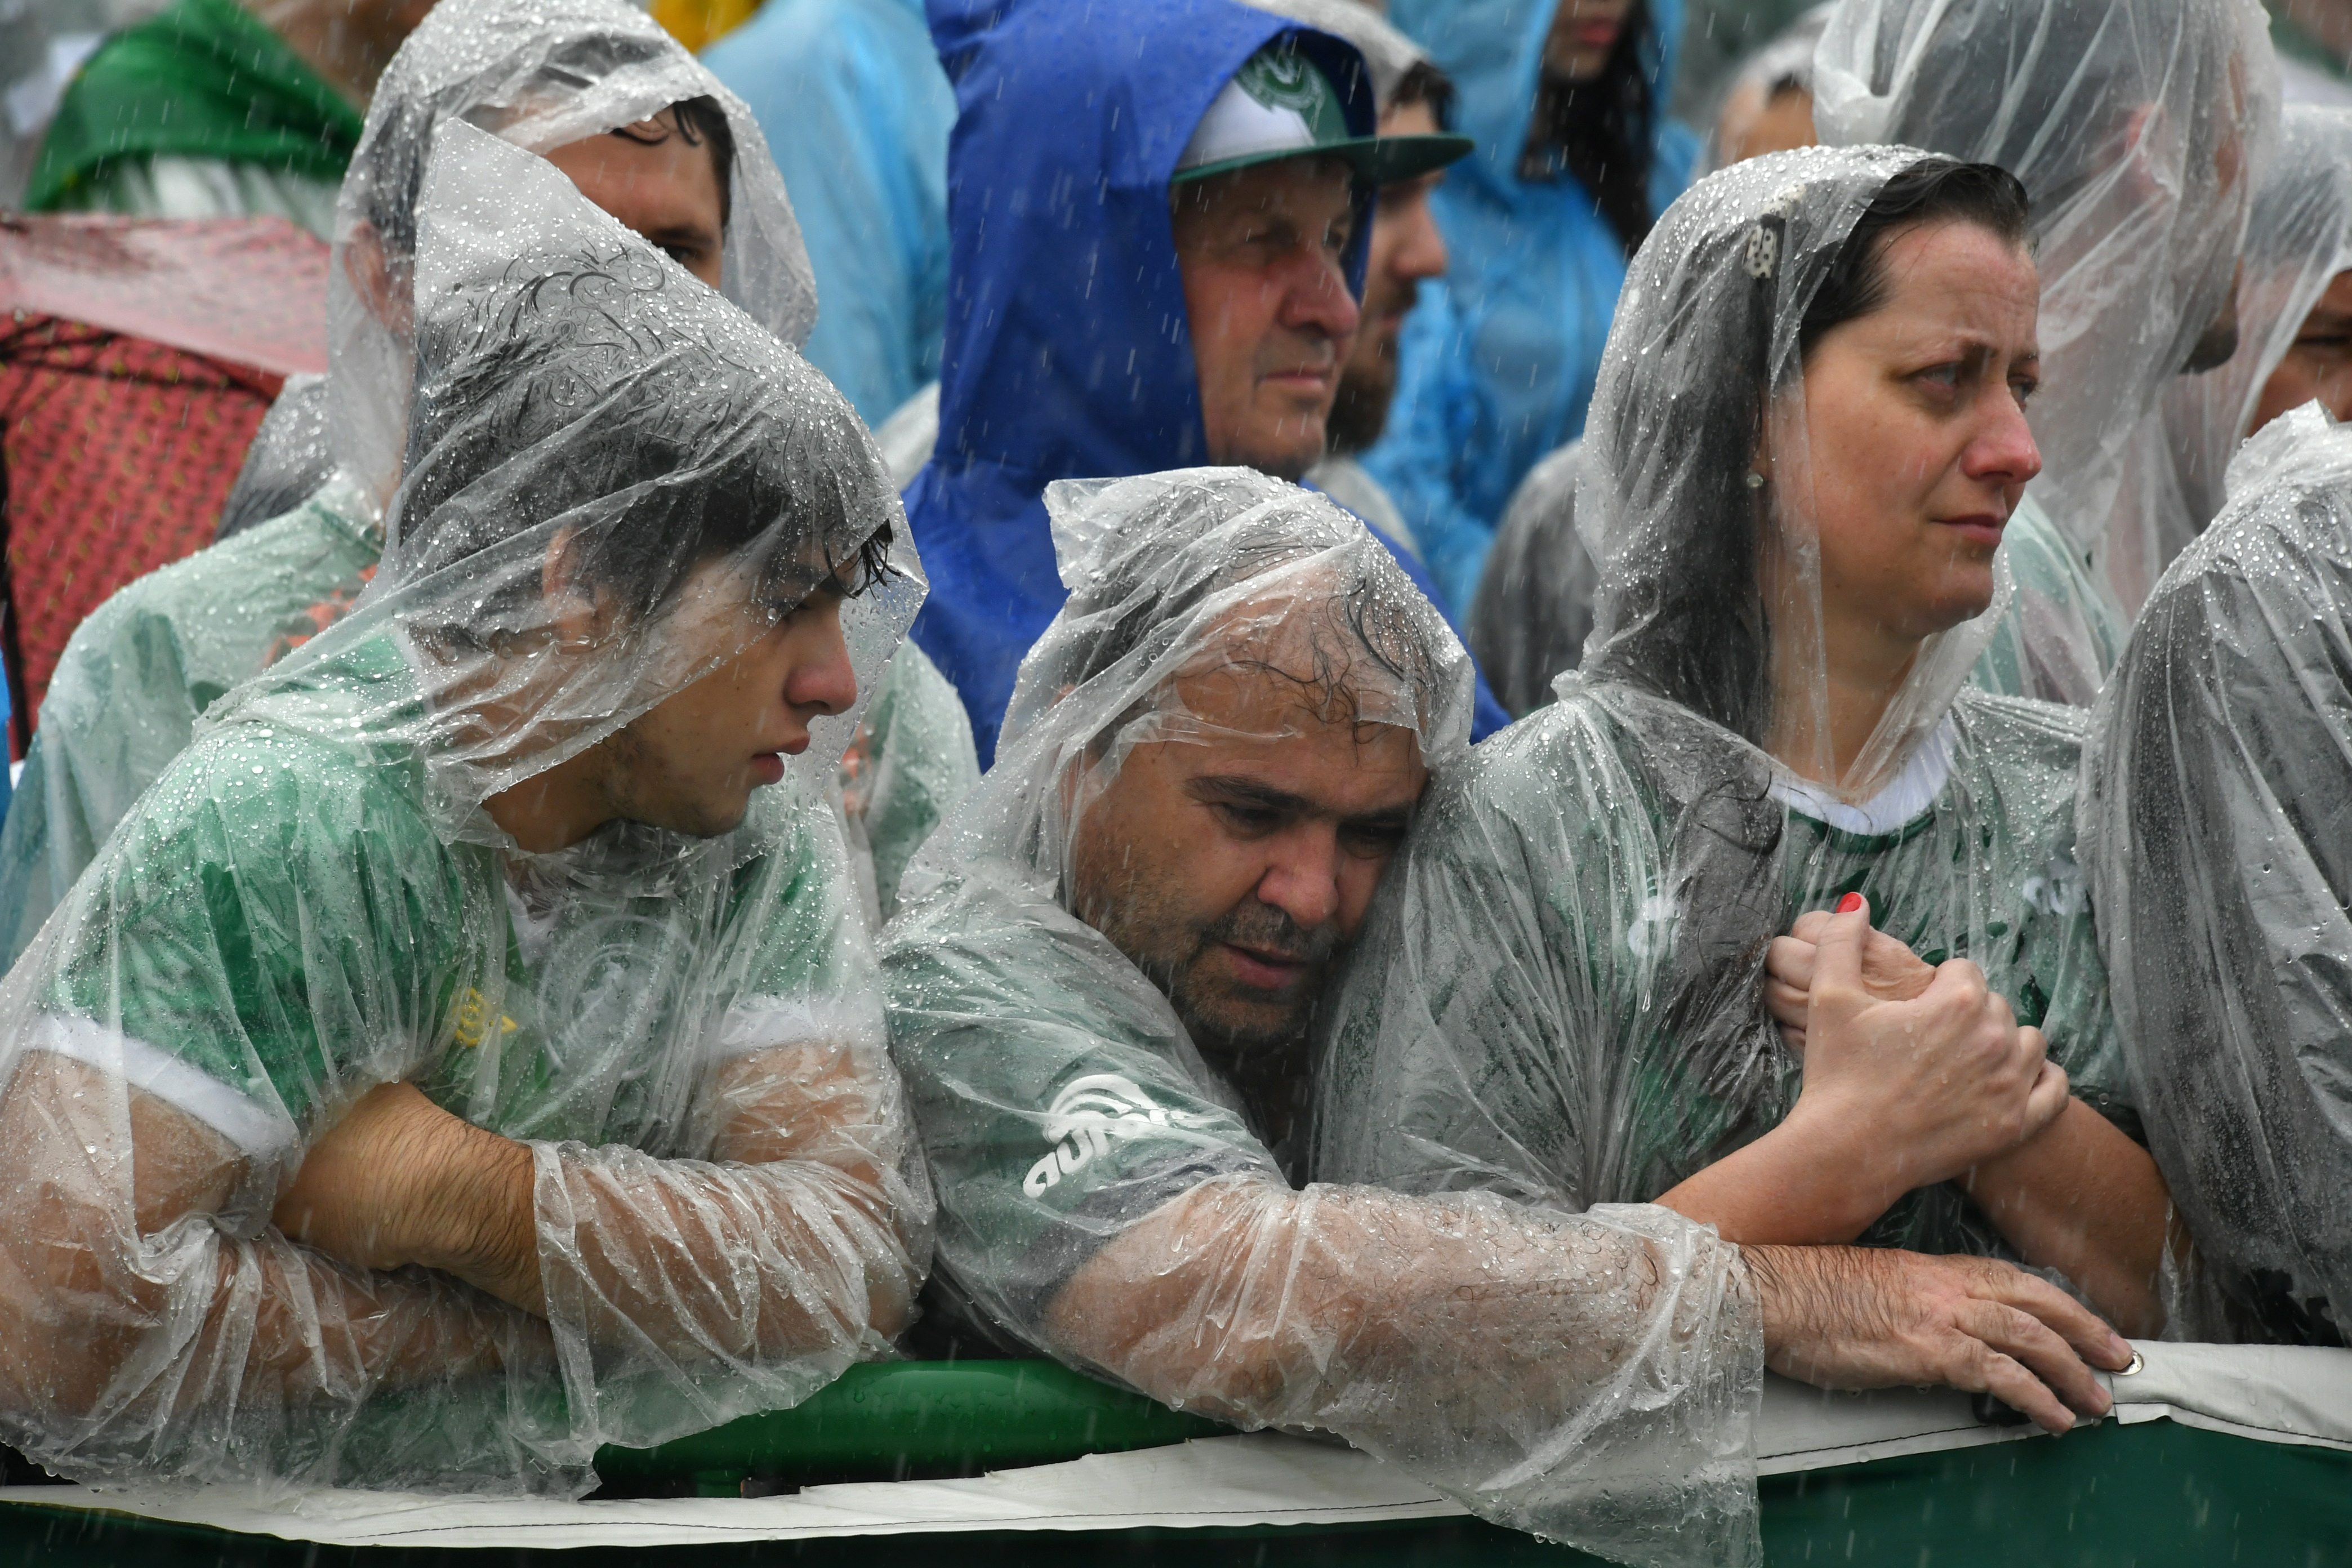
2139 131
1705 341
580 397
1171 574
539 74
2298 239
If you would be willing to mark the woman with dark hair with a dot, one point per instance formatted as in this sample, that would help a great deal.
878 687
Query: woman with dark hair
1575 160
1808 436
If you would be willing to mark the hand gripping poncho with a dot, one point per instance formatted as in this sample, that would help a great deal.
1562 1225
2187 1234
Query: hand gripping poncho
1556 997
2139 131
313 900
1596 1387
2299 238
2217 793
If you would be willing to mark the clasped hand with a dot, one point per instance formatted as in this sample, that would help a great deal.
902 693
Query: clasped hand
1918 1073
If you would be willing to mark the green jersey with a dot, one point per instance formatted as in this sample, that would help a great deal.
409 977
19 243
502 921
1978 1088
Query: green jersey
138 674
2064 630
278 927
1058 1097
1556 995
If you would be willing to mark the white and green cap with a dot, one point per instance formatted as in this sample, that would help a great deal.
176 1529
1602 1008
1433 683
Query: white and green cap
1280 104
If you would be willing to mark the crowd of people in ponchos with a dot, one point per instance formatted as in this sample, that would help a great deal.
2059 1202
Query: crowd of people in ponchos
1297 708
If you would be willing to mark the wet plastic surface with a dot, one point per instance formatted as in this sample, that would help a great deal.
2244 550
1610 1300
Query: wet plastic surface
2154 1495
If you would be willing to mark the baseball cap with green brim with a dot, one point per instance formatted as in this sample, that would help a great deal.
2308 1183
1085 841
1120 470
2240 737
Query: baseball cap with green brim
1281 105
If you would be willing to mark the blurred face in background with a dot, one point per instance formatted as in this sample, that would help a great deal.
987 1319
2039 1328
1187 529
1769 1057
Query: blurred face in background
2319 364
1756 120
1406 249
1584 33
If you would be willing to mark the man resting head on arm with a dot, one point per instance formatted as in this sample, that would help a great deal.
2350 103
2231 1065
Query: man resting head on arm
468 1053
1099 990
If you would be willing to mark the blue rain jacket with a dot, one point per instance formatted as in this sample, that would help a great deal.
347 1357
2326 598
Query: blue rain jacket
1496 364
856 110
1068 355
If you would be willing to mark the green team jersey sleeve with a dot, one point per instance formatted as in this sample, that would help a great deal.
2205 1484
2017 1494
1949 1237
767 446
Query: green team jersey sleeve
1058 1098
807 962
137 674
274 929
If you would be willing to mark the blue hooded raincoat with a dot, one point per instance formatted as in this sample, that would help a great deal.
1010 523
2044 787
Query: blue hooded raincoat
1497 365
1068 353
858 112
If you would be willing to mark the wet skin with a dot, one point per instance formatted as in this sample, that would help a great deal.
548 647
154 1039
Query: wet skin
2319 364
1266 293
1234 868
655 181
1406 250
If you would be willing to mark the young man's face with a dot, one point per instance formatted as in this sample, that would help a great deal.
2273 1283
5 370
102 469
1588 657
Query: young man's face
1234 869
1267 295
1405 250
655 181
691 763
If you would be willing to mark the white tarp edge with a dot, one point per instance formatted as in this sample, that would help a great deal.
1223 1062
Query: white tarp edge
2273 1395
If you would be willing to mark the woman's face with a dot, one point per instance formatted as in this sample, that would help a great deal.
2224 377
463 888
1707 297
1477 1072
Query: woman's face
1583 35
1917 440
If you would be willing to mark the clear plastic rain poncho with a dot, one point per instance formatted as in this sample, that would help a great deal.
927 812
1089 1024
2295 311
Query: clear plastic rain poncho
2215 797
2139 131
142 669
539 74
1556 997
1598 1387
686 1030
1534 607
2299 238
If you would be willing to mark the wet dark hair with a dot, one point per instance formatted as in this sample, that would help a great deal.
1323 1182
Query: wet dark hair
585 341
1935 190
1370 620
1604 131
1698 633
702 124
403 145
1423 82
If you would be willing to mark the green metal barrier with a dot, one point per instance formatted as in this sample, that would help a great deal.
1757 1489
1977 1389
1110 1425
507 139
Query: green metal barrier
2154 1495
900 1420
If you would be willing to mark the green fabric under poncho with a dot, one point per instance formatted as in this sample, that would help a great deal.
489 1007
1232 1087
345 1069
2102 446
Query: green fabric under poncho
1534 1010
681 1024
1557 995
203 80
2062 629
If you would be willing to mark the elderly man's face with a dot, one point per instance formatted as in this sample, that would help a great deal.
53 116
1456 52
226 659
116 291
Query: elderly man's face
1233 868
1266 297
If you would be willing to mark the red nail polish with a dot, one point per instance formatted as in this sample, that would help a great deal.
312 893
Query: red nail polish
1850 903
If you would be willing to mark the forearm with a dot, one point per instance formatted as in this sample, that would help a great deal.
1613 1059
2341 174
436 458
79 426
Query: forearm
1367 1312
753 1265
1786 1188
131 1319
2083 1199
